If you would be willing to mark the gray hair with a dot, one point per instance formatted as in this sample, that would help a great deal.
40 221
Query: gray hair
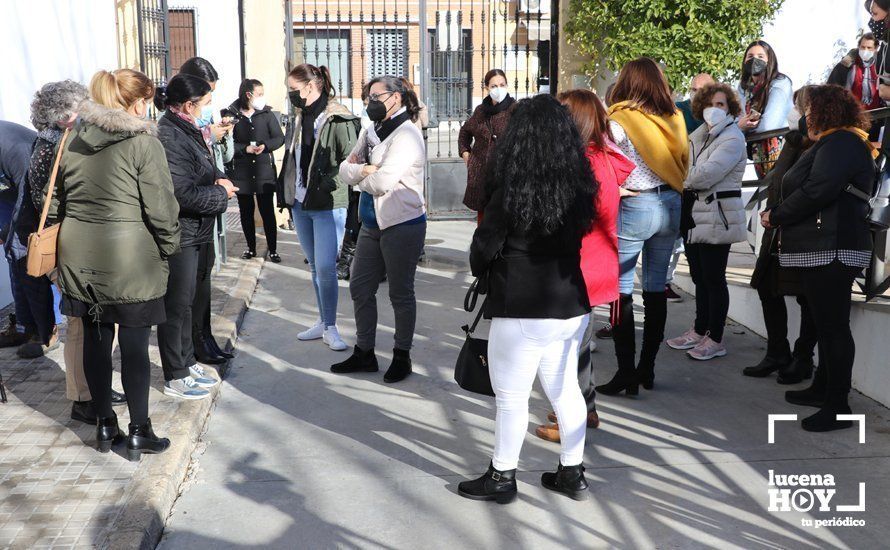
56 101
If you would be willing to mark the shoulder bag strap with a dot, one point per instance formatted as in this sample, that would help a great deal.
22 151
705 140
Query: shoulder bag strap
52 182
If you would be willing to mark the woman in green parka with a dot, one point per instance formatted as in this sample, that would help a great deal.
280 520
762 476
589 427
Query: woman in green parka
118 226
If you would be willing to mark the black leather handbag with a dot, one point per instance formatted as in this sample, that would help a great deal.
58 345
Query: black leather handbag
471 369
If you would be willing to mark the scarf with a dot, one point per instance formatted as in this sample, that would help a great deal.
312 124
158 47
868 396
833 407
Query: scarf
860 133
864 84
387 127
205 131
490 108
307 133
661 141
754 97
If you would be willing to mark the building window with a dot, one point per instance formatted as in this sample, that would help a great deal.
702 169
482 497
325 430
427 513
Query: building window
328 47
387 52
451 68
183 39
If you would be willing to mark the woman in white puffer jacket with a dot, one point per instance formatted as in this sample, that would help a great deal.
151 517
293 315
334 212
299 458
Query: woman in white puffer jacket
718 156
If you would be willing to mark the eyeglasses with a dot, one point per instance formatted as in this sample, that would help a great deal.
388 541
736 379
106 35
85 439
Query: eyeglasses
376 97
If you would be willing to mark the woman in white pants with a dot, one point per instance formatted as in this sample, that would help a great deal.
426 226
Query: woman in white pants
527 251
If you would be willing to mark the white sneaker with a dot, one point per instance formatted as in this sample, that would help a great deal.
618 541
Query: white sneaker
707 349
687 340
185 388
332 339
314 332
201 378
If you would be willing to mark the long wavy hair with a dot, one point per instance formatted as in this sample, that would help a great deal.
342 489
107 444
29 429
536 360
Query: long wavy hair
540 162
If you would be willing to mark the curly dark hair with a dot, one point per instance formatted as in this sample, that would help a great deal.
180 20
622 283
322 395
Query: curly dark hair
541 165
703 98
832 106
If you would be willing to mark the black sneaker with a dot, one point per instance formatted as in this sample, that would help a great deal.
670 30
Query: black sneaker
605 333
671 294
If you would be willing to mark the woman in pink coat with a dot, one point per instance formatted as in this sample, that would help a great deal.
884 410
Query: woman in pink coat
599 249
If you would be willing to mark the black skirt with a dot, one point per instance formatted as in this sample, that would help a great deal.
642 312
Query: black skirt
140 314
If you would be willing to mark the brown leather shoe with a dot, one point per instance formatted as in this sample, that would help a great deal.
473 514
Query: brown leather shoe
593 420
548 432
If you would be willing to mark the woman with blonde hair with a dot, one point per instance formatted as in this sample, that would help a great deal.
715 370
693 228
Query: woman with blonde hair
118 226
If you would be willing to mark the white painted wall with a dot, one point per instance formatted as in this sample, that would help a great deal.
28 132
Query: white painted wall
810 36
217 33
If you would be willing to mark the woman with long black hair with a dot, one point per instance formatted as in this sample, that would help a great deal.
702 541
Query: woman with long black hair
528 248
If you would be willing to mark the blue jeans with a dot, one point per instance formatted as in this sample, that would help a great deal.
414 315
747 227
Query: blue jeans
321 235
648 223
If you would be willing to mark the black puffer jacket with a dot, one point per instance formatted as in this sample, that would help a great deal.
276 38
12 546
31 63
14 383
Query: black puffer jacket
255 173
816 213
194 175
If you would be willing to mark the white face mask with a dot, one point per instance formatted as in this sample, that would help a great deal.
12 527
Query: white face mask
794 119
866 55
498 94
713 115
366 120
258 103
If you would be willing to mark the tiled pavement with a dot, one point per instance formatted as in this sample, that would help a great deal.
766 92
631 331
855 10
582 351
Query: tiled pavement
56 491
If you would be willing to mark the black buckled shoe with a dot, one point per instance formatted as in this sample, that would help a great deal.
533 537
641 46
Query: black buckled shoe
248 254
143 440
360 361
118 398
107 433
568 480
400 368
276 259
767 366
83 411
496 485
800 369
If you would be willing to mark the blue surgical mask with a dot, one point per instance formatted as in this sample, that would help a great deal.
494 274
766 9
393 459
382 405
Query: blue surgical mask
206 118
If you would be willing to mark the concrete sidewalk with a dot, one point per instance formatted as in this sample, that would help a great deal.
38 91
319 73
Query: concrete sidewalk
296 457
56 490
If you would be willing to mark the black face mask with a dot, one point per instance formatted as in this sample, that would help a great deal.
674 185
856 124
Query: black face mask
296 99
878 28
755 66
376 110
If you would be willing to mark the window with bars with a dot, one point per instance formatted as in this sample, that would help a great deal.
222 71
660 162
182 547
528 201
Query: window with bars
387 52
328 47
183 38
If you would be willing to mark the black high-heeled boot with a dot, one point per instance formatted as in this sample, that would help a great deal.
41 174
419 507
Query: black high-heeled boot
496 485
214 346
800 369
107 433
568 480
143 440
400 367
654 320
814 396
360 361
624 337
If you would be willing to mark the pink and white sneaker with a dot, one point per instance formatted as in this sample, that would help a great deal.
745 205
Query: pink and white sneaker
687 340
707 349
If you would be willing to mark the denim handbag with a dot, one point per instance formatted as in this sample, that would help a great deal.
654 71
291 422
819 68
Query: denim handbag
471 369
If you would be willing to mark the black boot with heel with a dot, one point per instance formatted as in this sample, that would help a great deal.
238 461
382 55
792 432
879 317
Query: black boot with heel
800 369
624 336
655 317
568 480
400 367
107 433
496 485
143 440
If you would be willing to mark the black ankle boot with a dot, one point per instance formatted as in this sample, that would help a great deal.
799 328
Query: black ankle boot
624 336
82 411
800 369
107 433
143 440
568 480
654 320
497 485
360 361
212 345
205 354
400 367
775 359
814 396
826 419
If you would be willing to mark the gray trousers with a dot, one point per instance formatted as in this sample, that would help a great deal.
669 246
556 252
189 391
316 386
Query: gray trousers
393 252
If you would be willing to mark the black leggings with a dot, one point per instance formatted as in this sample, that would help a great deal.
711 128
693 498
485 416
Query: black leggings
201 303
135 367
266 203
775 318
707 265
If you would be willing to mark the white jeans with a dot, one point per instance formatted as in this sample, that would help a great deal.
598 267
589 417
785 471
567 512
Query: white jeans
519 349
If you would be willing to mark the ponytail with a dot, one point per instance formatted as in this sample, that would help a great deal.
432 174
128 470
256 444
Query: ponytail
120 89
321 76
181 89
327 87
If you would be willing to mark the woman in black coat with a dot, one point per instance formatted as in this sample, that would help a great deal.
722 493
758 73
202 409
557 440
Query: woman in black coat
774 283
257 134
528 248
825 236
203 193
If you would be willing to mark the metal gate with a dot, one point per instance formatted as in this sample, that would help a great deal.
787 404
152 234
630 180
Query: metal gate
154 37
444 47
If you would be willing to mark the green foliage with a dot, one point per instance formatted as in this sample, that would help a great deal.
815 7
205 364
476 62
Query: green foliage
688 36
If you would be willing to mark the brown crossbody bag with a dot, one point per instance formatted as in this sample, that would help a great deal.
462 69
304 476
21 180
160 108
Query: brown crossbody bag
43 242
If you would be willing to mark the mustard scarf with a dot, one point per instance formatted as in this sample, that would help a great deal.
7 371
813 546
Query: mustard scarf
860 133
661 141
